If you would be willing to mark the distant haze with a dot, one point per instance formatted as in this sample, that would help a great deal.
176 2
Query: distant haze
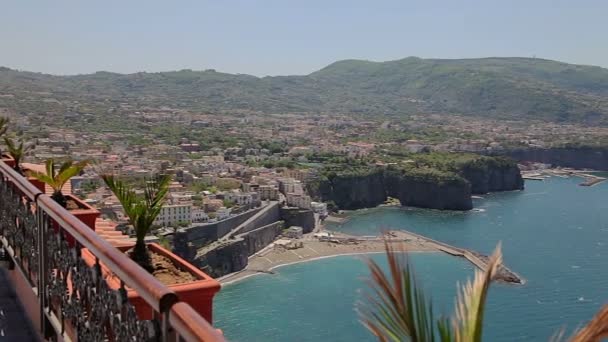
277 37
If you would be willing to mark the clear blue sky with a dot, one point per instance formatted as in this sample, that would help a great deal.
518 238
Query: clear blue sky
278 37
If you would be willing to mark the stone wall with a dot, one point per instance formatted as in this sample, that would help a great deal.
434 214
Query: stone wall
269 214
259 238
232 256
227 258
298 217
201 235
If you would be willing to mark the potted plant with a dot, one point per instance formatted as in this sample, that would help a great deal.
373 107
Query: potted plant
7 158
56 178
191 284
17 150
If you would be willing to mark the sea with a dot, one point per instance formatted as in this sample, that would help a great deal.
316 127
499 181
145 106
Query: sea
554 234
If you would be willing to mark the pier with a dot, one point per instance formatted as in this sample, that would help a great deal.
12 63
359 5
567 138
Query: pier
329 244
590 180
478 259
539 175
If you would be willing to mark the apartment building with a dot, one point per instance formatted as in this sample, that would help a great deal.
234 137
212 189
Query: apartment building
172 214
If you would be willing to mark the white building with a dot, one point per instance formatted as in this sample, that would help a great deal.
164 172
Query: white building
319 208
171 215
223 213
199 215
268 192
245 199
290 185
297 200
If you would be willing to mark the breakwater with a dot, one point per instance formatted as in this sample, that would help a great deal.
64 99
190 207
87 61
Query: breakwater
479 260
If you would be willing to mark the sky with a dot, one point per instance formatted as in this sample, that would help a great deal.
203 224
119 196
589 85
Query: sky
287 37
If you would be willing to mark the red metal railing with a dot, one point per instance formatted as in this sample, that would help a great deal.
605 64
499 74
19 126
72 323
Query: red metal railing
74 301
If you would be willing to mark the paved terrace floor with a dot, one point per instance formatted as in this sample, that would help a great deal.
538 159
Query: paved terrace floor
14 324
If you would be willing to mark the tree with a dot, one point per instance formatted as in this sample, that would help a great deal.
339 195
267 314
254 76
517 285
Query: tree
141 210
17 150
56 178
398 310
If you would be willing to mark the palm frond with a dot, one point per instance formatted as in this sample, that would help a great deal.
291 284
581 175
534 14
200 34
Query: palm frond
142 211
4 121
468 319
398 309
596 330
56 179
125 195
17 150
68 170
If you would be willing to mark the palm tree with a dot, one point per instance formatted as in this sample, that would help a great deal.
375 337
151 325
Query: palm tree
17 150
398 310
4 121
56 178
142 210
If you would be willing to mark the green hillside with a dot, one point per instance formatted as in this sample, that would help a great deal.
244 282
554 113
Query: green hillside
510 88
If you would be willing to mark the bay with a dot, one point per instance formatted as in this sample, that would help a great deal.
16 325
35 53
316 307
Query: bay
554 234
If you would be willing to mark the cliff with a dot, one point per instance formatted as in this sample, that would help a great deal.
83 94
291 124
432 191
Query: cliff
426 190
446 185
412 188
351 190
577 157
491 174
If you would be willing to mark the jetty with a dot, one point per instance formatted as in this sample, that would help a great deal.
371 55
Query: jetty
325 244
589 179
479 260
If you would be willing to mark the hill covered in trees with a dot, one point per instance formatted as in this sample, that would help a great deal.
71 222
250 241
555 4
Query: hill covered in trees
509 88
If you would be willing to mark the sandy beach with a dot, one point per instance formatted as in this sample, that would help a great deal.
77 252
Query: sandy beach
274 256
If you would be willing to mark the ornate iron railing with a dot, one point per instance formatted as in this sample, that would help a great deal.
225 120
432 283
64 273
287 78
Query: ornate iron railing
74 300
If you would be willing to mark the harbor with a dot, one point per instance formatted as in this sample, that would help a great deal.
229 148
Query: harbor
326 244
589 179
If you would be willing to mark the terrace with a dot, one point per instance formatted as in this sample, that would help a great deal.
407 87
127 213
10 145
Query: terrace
58 296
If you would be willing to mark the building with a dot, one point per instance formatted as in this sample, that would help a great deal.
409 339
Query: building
223 213
173 214
198 215
243 199
293 232
298 200
319 208
268 193
190 147
290 185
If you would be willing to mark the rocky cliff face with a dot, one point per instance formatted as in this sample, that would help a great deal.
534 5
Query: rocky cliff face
577 157
427 193
354 191
436 190
492 175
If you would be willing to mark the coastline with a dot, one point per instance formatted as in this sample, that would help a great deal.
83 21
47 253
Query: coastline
274 257
237 277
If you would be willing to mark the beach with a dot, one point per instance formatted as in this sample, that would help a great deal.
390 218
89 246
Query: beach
275 255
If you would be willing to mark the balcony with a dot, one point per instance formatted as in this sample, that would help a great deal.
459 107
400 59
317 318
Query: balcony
63 297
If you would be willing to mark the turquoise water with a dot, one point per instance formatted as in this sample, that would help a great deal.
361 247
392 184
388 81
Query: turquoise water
554 234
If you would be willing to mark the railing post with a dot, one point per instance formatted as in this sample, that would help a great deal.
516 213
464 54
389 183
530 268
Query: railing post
41 222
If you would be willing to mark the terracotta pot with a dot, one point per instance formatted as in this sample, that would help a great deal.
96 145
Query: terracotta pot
38 184
8 159
198 294
86 214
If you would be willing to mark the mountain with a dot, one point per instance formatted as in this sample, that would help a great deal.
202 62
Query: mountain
504 88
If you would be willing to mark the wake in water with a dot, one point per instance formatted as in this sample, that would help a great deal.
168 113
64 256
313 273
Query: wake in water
535 193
